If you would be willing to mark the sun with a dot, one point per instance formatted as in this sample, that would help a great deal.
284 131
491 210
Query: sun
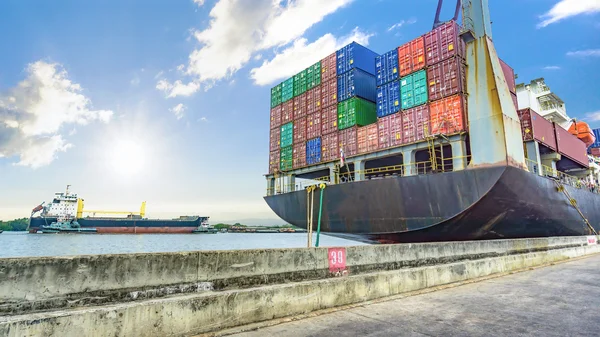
127 157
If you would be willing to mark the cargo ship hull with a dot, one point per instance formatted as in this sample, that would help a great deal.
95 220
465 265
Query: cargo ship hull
476 204
126 226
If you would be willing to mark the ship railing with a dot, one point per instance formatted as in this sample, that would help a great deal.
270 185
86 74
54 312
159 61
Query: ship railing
563 178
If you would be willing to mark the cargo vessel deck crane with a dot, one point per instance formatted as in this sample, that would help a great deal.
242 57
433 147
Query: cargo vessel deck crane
80 210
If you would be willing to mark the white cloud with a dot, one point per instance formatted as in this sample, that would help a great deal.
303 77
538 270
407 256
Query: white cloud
199 2
178 110
551 68
568 8
135 81
594 116
177 88
180 67
33 113
203 119
239 29
585 53
401 24
300 54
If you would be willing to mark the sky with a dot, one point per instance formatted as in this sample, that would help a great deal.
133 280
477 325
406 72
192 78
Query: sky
168 101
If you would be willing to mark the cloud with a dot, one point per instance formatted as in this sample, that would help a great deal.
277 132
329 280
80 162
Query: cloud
568 8
594 116
199 2
178 110
301 54
585 53
177 88
239 29
551 68
135 81
202 119
401 24
33 113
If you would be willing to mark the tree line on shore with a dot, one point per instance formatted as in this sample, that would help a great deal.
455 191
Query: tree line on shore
14 225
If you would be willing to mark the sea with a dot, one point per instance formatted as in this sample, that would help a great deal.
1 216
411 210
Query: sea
23 244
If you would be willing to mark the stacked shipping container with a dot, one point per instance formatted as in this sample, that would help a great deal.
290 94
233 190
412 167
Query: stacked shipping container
357 102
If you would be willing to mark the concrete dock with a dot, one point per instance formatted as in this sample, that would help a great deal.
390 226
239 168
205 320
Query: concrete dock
558 300
190 293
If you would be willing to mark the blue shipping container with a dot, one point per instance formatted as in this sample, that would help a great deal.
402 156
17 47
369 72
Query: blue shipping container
388 99
597 134
355 56
386 67
356 83
313 151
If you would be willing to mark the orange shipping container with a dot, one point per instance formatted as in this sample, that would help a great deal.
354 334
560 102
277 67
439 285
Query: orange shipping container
300 130
313 125
287 112
300 106
313 100
276 117
411 56
348 141
299 155
447 115
368 138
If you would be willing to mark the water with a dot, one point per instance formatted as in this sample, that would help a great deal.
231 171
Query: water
19 244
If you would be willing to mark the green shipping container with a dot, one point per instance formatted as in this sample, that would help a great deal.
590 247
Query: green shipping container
300 83
356 111
287 135
285 162
313 76
287 89
276 95
413 89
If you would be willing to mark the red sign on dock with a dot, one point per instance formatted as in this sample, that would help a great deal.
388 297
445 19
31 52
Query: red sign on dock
337 259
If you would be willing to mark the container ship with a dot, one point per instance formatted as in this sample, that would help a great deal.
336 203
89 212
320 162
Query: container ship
430 141
67 205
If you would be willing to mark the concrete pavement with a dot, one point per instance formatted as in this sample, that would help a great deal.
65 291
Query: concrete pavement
559 300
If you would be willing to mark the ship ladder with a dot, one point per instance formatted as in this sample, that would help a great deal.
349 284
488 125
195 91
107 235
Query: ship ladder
573 202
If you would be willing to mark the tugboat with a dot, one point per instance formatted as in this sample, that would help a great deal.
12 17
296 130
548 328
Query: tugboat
205 228
65 224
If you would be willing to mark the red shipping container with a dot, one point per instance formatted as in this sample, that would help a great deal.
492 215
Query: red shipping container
349 141
515 101
313 125
447 115
509 75
415 124
383 132
389 131
368 138
329 120
536 127
330 147
446 78
411 56
300 108
329 68
299 155
570 146
313 100
287 112
443 43
329 93
300 130
276 117
274 139
273 161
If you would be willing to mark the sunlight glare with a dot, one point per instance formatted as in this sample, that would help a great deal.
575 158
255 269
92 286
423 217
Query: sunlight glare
127 157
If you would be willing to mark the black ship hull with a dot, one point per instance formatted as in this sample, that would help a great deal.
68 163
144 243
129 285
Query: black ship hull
132 226
475 204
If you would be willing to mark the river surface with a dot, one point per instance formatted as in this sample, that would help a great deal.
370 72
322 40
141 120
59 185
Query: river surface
18 244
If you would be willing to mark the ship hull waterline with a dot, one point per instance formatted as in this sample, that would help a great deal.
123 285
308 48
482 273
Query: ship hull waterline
476 204
126 226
